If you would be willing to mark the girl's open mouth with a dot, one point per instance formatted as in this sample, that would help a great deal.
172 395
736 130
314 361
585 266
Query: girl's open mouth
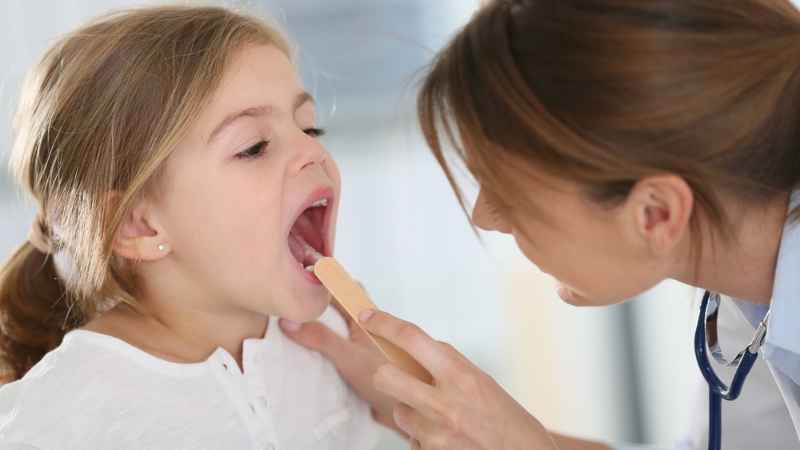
308 237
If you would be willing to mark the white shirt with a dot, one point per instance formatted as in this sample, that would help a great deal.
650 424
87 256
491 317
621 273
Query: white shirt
781 349
97 392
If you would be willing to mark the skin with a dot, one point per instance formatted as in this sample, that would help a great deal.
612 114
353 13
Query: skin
601 255
210 243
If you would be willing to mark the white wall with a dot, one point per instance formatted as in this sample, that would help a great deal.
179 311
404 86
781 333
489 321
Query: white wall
663 327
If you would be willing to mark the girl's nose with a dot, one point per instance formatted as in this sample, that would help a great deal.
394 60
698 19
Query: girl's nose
309 152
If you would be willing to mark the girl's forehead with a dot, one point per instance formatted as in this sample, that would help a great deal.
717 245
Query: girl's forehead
260 79
262 70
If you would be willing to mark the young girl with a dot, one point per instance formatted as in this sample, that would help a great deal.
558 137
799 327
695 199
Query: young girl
182 191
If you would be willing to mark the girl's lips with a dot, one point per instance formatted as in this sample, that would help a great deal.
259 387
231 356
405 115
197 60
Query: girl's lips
312 278
309 276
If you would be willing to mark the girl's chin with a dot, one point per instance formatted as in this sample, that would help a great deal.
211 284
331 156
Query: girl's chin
308 308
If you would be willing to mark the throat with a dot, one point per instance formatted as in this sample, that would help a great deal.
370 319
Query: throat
183 337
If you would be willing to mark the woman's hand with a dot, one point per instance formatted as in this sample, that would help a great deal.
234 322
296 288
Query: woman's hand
356 359
464 408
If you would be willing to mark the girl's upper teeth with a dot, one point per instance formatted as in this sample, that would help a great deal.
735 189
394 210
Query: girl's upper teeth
320 202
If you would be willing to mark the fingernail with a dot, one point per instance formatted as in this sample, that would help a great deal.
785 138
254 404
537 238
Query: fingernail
365 315
290 325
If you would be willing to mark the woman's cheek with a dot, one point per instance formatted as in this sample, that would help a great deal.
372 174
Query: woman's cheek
527 250
545 258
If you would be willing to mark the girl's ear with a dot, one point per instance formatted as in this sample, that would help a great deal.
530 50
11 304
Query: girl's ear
140 236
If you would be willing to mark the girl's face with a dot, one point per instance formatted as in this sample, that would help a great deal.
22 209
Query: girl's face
247 188
599 254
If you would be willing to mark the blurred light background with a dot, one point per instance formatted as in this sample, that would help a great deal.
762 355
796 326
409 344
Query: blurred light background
624 373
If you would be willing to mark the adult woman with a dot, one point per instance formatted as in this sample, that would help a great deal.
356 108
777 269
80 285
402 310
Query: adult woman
621 143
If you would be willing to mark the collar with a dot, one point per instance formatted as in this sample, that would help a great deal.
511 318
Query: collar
782 345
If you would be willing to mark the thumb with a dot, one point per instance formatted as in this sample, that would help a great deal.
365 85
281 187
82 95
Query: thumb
318 337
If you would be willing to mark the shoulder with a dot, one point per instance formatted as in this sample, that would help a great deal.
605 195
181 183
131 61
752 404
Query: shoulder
42 380
28 403
61 394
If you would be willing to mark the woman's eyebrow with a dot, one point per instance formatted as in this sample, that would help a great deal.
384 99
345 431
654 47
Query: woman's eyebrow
256 111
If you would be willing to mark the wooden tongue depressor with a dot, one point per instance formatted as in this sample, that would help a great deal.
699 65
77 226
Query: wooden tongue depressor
354 299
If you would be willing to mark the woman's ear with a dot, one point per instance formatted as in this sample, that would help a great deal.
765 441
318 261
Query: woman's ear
660 208
140 236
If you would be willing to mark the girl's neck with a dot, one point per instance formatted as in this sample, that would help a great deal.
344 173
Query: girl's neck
200 332
180 334
744 267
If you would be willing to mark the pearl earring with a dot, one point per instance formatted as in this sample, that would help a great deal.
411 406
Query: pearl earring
163 247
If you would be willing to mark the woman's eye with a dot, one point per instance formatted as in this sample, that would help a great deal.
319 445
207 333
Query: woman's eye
253 152
314 132
494 211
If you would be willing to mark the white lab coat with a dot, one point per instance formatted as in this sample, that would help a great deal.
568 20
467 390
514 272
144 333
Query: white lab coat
759 417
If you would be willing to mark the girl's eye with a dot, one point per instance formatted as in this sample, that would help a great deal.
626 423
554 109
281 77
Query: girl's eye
253 152
314 132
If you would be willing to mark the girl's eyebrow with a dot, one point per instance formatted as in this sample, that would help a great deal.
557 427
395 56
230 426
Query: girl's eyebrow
257 111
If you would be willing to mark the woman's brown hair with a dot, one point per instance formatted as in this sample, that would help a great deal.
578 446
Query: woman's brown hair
97 118
607 92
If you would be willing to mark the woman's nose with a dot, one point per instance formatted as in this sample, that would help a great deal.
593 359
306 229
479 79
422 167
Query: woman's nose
486 217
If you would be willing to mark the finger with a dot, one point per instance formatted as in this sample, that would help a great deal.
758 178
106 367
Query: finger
387 420
318 337
350 358
410 422
354 329
407 389
343 311
410 338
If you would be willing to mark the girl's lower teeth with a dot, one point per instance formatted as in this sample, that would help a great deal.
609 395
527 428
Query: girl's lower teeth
310 269
311 252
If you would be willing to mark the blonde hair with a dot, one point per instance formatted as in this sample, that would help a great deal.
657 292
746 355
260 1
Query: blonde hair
98 117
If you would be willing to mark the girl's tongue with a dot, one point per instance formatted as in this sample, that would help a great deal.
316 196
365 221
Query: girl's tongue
306 238
304 253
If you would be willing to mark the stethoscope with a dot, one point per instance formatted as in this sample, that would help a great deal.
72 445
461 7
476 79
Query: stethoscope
706 332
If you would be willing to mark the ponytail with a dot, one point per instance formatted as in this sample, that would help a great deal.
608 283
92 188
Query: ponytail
34 306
